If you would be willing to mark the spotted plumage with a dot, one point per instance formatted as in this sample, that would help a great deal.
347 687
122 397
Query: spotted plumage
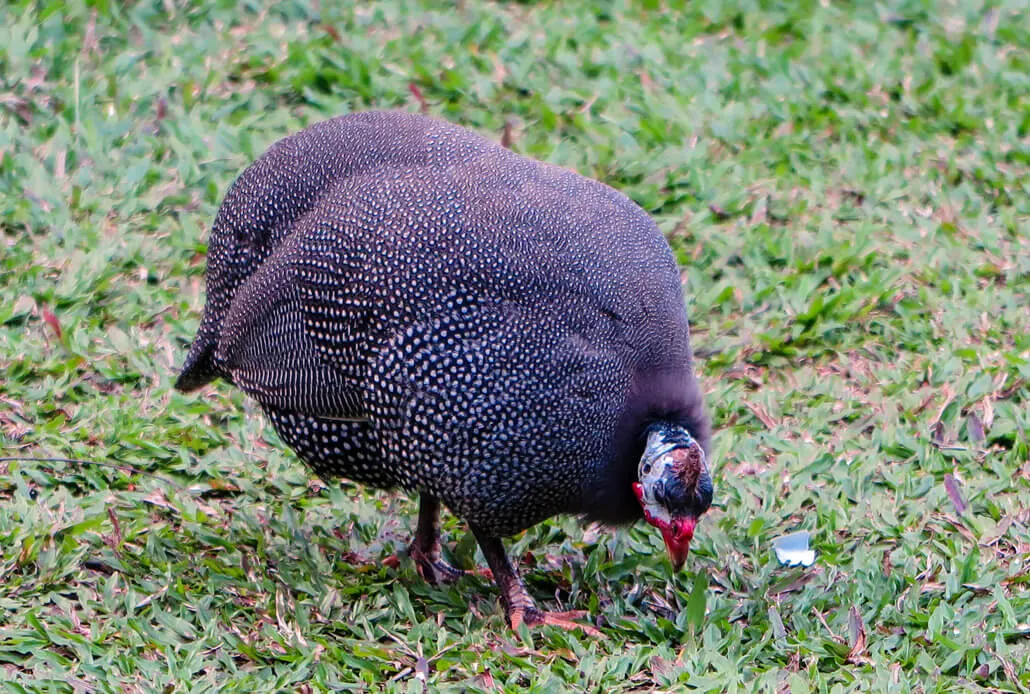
414 306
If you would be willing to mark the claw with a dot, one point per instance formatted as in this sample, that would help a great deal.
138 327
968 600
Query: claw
567 620
519 607
424 549
564 620
433 569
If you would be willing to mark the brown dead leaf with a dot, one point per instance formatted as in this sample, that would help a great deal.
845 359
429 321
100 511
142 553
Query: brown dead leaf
506 136
89 42
660 666
954 489
422 670
988 420
333 33
949 395
20 106
924 403
50 319
588 104
763 415
975 428
423 105
759 215
795 585
1005 394
157 498
748 374
223 485
856 637
960 527
719 213
117 529
500 73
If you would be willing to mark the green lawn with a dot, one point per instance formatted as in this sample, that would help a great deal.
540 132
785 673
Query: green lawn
847 188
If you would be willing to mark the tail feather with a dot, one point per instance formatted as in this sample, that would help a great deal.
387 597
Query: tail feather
199 368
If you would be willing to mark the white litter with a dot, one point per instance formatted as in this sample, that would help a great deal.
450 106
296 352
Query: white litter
792 549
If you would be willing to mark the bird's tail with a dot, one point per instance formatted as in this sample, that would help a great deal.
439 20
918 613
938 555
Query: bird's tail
199 368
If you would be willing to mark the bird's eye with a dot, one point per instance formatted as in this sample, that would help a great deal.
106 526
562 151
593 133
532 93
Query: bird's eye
647 468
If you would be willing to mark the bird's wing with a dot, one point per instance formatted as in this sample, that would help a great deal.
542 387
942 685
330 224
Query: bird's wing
268 345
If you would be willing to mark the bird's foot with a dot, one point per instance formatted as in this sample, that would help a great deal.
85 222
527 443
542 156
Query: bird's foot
519 607
433 569
425 547
533 616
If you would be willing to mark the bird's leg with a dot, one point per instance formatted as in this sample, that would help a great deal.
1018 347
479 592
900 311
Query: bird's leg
425 546
519 606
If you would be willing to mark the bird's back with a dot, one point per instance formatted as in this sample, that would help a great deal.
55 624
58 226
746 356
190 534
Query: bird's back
266 203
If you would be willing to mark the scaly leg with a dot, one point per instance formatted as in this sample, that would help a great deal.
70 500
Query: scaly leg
519 606
425 546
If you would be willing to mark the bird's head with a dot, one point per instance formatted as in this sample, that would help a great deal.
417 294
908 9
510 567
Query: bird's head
674 486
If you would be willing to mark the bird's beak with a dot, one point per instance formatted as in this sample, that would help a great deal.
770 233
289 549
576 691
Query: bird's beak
678 535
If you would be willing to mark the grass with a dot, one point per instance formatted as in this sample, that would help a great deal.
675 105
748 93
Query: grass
847 188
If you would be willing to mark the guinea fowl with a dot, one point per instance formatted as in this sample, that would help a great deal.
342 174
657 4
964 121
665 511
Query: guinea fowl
415 306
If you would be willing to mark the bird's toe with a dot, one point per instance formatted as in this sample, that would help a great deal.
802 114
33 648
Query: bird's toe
533 616
570 620
434 570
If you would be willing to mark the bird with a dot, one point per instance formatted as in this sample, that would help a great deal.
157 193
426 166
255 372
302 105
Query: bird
416 307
